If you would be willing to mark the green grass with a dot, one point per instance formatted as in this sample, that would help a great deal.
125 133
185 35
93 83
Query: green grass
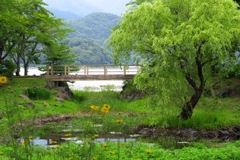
122 151
210 114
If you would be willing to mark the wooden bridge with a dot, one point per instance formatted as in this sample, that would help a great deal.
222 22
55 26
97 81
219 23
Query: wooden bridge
89 72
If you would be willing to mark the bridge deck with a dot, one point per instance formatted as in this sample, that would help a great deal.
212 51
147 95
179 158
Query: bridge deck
87 77
102 72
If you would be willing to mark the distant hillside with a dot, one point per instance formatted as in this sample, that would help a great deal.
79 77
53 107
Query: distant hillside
89 51
94 26
91 32
64 14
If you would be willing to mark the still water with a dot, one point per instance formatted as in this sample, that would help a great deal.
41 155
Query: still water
47 142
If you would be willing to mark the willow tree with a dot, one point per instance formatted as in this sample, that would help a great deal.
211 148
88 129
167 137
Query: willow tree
177 42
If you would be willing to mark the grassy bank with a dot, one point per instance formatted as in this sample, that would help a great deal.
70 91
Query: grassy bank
18 114
211 113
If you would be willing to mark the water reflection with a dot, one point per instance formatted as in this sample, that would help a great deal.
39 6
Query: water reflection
49 142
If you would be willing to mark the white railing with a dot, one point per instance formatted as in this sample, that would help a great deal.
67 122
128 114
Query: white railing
91 70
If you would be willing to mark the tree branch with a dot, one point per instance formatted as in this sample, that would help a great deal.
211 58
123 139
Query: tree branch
191 81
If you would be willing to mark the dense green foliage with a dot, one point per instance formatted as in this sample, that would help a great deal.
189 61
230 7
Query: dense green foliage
178 43
122 151
28 31
38 93
7 68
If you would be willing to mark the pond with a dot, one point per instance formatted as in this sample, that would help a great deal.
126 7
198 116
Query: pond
52 140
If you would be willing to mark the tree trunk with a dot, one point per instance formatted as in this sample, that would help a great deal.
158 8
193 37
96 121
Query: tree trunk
17 71
18 66
1 52
25 69
187 109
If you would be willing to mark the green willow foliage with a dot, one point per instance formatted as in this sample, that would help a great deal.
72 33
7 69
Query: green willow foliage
177 42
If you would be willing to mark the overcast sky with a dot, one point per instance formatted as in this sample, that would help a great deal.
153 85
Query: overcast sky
108 6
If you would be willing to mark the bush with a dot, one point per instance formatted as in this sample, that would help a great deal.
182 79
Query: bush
7 68
38 93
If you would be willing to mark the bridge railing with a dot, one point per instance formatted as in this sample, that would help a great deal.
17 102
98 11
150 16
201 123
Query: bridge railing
91 70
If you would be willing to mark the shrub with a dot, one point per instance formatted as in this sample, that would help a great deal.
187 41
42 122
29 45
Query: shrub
7 68
38 93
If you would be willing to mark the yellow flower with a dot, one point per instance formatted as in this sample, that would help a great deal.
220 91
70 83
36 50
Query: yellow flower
104 110
68 135
94 158
30 137
25 142
58 146
1 153
111 152
95 108
54 142
104 144
139 159
71 158
149 151
106 106
45 104
96 135
3 79
119 121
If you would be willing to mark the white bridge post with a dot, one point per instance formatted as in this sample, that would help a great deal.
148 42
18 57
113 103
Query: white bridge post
105 70
68 70
85 70
51 69
65 69
47 70
124 70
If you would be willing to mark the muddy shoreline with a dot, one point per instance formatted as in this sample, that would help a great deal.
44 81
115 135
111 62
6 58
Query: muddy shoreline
223 134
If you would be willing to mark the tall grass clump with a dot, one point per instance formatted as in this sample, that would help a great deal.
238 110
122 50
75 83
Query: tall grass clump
38 93
16 131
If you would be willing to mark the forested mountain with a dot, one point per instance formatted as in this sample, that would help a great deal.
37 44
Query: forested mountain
88 39
92 21
88 51
94 26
